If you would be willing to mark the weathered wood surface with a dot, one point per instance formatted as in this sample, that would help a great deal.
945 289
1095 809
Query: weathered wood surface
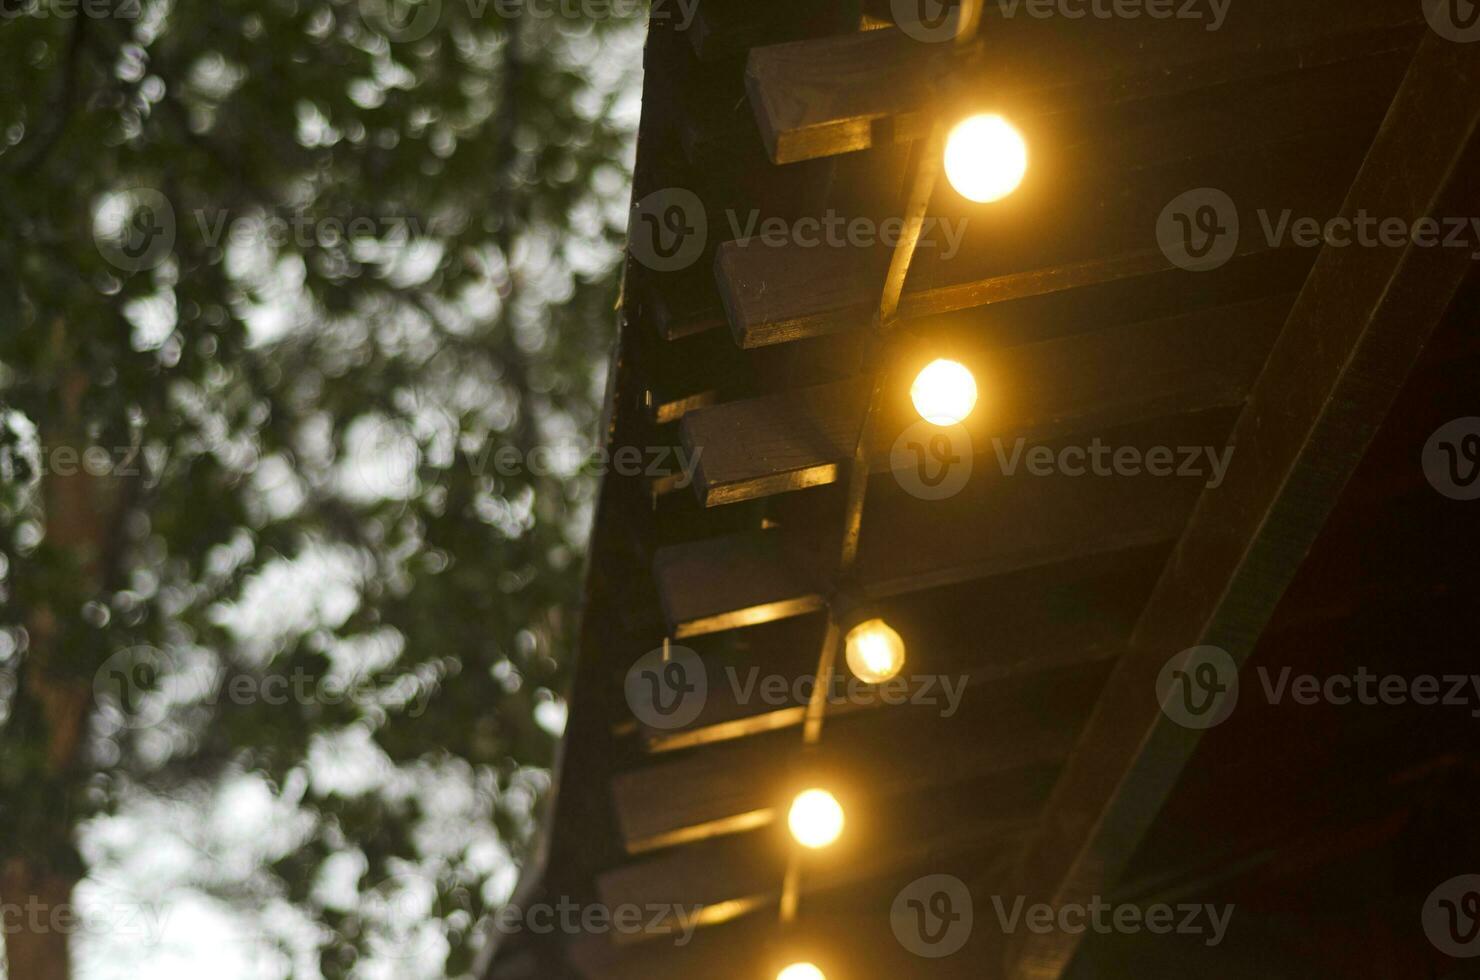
1351 339
799 439
827 96
995 524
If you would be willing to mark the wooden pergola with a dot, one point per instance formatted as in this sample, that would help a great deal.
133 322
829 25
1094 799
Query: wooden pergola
1058 601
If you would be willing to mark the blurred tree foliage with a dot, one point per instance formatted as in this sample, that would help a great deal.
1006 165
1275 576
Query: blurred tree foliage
278 280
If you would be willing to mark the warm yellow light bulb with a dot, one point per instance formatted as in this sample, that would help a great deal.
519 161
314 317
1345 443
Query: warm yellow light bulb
801 971
875 652
944 392
985 158
816 818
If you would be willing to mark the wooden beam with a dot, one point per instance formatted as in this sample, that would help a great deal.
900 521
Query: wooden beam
1227 119
727 28
733 876
836 95
693 372
1046 619
799 439
997 524
1353 336
724 789
1077 227
728 718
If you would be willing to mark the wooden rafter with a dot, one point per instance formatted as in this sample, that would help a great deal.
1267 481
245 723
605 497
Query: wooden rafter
1350 341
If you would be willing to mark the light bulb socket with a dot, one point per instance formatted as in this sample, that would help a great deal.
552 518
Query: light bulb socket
849 605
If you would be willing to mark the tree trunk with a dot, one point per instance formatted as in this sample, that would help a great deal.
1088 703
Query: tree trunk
37 919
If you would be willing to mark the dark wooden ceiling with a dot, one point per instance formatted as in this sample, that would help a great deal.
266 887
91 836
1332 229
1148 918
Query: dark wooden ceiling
1325 550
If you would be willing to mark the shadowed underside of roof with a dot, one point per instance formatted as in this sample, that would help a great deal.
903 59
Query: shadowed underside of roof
1298 390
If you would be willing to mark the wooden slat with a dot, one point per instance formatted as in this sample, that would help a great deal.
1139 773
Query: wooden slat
734 876
727 717
719 790
829 96
1352 338
996 525
800 439
694 372
729 582
1081 228
1207 123
726 28
1046 619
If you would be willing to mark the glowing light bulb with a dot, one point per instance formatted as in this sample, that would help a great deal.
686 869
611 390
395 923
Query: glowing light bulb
944 392
985 158
816 818
801 971
875 652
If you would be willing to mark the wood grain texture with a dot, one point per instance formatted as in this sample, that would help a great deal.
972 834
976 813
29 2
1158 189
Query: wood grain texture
1084 227
1351 340
799 439
996 524
828 96
1001 727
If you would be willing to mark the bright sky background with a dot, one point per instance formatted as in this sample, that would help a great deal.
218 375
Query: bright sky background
145 911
